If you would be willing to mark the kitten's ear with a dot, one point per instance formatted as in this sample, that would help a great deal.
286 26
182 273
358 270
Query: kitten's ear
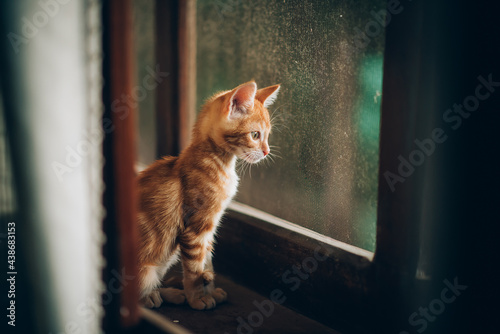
267 95
241 100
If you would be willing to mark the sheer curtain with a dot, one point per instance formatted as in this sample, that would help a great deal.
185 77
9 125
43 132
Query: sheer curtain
51 80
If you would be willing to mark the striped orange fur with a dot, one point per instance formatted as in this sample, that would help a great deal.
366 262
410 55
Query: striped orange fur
182 199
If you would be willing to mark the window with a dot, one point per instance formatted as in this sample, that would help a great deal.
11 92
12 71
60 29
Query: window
325 173
327 134
325 138
433 268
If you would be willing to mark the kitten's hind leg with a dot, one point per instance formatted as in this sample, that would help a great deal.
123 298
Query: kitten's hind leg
173 295
149 281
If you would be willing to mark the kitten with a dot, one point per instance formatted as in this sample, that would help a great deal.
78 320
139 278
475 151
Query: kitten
183 198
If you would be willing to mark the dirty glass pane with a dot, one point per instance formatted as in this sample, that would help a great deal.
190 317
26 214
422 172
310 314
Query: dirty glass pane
143 93
328 57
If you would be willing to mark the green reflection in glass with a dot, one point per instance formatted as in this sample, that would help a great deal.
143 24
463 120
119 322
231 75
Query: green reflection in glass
370 94
367 122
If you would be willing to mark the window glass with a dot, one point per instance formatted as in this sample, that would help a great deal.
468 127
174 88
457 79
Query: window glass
143 93
328 57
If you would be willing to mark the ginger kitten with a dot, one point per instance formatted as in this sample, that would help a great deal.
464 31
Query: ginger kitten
182 199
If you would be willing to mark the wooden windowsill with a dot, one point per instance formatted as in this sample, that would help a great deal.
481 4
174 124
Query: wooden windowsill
238 312
265 254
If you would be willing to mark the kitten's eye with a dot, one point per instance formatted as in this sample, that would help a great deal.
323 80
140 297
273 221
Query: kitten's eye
255 135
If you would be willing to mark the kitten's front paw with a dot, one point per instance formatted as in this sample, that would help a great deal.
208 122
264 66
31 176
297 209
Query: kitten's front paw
219 295
207 300
153 300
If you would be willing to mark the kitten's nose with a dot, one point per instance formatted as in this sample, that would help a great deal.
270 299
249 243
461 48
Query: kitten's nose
265 152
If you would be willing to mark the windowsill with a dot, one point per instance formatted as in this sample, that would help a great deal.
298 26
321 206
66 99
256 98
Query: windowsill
322 278
239 311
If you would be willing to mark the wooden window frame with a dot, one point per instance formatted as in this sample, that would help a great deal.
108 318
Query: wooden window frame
175 50
120 195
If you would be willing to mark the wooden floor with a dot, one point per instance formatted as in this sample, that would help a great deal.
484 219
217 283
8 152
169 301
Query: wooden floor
240 315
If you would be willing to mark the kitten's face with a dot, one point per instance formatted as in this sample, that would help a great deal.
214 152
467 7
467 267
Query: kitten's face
246 125
250 136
